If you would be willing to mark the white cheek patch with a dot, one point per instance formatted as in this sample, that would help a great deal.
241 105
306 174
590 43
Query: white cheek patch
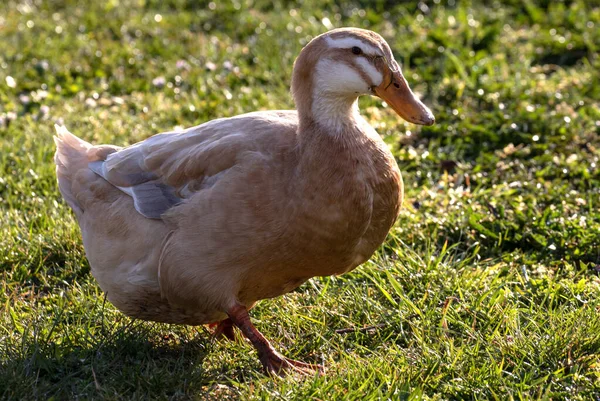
348 43
338 77
369 69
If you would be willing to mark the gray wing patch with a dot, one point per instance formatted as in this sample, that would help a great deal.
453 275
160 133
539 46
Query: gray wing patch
98 168
151 199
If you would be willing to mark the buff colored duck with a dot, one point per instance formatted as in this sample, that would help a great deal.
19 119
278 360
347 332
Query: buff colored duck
196 226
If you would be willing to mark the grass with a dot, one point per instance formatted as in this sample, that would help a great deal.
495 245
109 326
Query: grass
487 287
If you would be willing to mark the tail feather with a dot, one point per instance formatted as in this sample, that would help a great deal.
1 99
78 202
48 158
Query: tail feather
71 156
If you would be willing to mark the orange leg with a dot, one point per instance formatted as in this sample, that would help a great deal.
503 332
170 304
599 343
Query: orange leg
273 362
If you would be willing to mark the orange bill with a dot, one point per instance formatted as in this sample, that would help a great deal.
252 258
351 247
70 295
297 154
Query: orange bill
394 90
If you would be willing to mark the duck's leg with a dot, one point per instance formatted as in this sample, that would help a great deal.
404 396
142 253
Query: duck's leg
272 361
223 329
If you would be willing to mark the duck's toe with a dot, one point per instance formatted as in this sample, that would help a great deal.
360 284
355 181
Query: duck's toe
277 365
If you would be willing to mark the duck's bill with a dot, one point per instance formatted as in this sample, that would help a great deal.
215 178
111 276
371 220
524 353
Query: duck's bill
394 90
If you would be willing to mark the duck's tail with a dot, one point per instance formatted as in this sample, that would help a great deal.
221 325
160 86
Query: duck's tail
71 156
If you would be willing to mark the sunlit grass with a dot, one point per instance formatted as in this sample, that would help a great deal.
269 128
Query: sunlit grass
486 288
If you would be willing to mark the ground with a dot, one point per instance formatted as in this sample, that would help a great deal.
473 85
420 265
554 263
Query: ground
488 285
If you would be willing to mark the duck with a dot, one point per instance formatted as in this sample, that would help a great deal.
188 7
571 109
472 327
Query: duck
196 226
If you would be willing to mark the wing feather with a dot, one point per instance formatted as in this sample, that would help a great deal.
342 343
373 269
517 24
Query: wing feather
160 171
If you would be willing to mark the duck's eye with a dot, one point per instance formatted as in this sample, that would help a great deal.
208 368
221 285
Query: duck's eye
356 50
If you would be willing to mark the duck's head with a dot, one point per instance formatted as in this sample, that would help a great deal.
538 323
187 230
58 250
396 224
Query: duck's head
340 65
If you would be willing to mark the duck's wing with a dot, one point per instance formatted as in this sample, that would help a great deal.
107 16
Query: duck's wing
163 170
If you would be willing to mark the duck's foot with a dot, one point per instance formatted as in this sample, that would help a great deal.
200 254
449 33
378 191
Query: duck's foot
223 329
273 362
276 364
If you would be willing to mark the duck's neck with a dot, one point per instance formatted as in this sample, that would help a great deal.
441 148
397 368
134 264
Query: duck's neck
329 114
329 120
334 114
331 131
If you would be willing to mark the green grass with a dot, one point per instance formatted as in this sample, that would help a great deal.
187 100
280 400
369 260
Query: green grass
488 285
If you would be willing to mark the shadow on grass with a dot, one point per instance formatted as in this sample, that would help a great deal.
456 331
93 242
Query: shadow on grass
132 363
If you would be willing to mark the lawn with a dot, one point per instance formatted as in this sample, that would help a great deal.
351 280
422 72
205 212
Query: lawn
488 285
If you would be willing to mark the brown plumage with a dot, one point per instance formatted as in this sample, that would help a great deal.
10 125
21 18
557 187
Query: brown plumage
195 227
